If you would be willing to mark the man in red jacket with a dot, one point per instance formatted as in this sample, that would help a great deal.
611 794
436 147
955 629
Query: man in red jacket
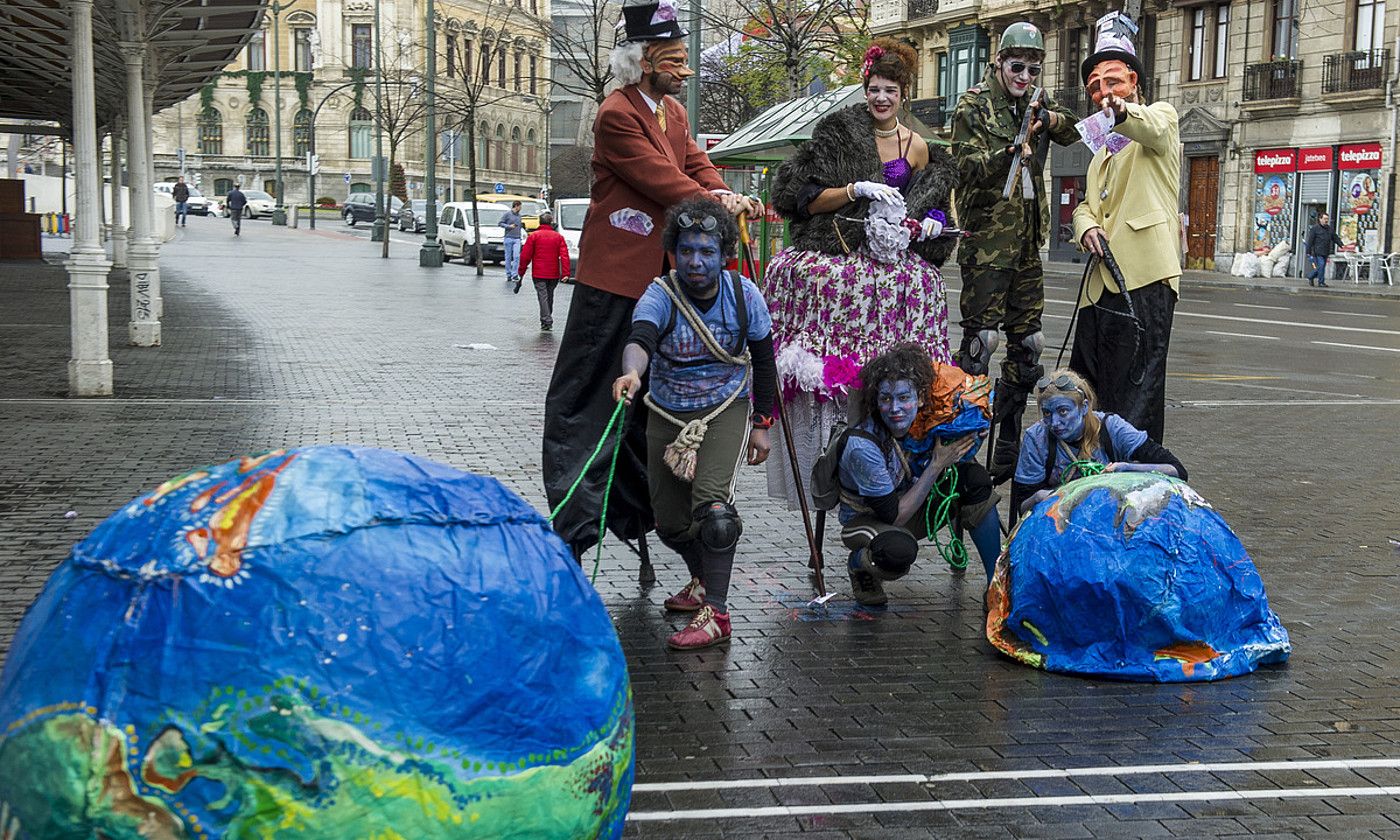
644 161
546 255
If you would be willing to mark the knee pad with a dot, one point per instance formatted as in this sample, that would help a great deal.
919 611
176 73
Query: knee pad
1032 345
977 349
719 526
892 553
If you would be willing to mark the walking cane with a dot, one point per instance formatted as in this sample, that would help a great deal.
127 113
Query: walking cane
815 558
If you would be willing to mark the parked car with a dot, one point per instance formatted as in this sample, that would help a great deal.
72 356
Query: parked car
198 205
259 204
413 216
530 208
569 214
456 234
359 207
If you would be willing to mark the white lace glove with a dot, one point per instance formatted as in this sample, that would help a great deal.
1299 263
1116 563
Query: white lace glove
876 191
930 229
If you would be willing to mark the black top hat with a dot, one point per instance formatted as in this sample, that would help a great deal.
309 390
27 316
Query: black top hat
1114 43
651 20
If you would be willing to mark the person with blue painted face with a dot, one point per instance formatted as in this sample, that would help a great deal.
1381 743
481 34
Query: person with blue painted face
707 337
1072 433
882 497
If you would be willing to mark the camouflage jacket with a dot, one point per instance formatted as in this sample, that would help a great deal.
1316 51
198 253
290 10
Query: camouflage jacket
985 123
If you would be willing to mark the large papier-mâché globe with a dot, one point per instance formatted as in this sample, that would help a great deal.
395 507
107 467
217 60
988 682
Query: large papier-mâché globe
328 642
1131 576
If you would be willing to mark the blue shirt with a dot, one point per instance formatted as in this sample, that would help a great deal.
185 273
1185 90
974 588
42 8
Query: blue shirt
868 470
1030 466
510 220
684 374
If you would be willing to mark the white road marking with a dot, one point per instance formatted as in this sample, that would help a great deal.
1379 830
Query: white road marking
1357 346
1243 335
1352 403
1262 306
1354 314
1046 773
1242 319
1011 802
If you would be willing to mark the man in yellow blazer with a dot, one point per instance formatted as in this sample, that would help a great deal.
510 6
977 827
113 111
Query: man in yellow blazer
1120 345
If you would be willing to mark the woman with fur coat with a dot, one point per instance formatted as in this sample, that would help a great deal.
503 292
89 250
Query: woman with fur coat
866 199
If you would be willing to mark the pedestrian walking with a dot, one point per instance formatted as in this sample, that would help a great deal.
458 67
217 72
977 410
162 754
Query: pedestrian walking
1318 247
546 255
1003 280
510 220
1120 344
235 201
707 336
644 160
181 193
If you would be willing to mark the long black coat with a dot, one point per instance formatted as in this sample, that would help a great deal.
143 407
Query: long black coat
842 151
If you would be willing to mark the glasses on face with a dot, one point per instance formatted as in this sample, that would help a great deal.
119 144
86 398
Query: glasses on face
1061 383
707 224
1019 67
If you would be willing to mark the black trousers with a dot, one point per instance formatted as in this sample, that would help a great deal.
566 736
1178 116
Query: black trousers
1124 357
576 412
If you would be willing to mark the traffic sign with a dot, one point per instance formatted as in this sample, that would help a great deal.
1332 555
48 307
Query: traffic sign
347 177
500 188
313 163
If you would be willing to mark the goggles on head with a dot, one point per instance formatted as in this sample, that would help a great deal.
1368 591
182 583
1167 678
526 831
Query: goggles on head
705 224
1062 383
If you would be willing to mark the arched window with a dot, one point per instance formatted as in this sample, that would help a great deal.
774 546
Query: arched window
500 146
485 62
467 60
483 142
211 132
534 72
301 133
515 149
257 53
530 160
519 72
259 138
501 66
361 132
451 55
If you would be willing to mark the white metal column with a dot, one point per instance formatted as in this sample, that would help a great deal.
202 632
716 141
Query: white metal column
89 368
141 253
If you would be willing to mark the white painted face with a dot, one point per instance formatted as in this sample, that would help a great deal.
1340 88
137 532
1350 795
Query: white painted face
883 97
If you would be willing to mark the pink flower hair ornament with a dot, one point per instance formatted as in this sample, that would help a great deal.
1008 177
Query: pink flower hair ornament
872 55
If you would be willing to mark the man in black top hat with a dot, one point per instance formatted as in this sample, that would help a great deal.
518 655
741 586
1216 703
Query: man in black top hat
644 161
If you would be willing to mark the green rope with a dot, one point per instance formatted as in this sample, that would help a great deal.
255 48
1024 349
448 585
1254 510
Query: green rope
607 489
945 490
1084 467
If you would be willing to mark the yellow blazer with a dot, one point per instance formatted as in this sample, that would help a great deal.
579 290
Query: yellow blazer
1133 196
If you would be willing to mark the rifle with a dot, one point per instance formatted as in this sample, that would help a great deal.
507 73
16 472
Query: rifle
1021 161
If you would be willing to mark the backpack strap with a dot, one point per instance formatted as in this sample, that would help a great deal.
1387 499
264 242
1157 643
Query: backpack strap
1106 442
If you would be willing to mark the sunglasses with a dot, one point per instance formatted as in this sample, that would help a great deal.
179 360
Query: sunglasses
1019 67
708 224
1061 383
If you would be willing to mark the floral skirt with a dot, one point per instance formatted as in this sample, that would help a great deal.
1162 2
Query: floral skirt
831 315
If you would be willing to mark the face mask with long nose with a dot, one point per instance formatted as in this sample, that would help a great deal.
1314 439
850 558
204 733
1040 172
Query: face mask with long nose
1114 77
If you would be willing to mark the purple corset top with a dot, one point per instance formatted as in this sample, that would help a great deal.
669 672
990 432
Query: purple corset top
898 172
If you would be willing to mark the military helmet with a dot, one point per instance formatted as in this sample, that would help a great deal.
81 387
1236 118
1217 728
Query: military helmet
1022 36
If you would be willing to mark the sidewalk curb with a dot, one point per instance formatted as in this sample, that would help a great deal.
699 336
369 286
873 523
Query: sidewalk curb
1228 281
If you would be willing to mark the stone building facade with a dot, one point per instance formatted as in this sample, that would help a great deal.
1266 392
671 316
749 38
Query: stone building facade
1287 108
328 76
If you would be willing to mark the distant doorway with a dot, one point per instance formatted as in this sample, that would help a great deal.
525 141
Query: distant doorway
1203 193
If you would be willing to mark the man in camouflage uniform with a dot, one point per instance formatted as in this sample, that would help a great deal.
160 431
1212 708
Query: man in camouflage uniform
1003 285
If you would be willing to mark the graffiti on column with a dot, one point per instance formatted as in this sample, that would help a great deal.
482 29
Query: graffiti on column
141 289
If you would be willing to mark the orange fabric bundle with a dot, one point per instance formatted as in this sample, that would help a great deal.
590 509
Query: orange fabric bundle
951 384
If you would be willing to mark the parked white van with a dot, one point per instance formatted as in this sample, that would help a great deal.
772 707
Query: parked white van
456 234
568 220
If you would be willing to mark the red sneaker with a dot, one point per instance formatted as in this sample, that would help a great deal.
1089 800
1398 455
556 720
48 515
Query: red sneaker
689 599
707 628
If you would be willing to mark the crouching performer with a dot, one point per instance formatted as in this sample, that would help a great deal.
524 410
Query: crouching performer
707 336
883 489
1072 439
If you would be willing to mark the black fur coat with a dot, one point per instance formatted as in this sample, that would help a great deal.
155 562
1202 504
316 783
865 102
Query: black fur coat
842 151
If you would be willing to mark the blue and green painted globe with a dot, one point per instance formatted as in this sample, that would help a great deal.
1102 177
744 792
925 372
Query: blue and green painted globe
1131 576
326 642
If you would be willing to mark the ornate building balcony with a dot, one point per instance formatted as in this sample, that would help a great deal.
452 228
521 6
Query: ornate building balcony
1272 84
1358 77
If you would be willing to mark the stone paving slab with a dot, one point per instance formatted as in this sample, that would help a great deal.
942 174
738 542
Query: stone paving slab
284 338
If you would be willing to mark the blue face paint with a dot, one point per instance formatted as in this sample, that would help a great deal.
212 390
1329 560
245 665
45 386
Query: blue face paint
899 404
1065 418
698 261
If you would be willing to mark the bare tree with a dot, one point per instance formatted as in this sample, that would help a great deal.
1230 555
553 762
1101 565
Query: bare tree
581 35
404 107
462 102
785 45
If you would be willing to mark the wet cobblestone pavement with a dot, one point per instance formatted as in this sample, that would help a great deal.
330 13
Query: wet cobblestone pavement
1285 407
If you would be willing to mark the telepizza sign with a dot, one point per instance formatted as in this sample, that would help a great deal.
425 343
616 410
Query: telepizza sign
1275 160
1360 156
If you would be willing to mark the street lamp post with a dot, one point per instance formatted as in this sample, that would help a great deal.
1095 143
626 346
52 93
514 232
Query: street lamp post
692 91
380 231
430 255
279 213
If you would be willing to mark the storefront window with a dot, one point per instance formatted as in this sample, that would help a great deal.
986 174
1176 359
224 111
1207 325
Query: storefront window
1274 181
1359 202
